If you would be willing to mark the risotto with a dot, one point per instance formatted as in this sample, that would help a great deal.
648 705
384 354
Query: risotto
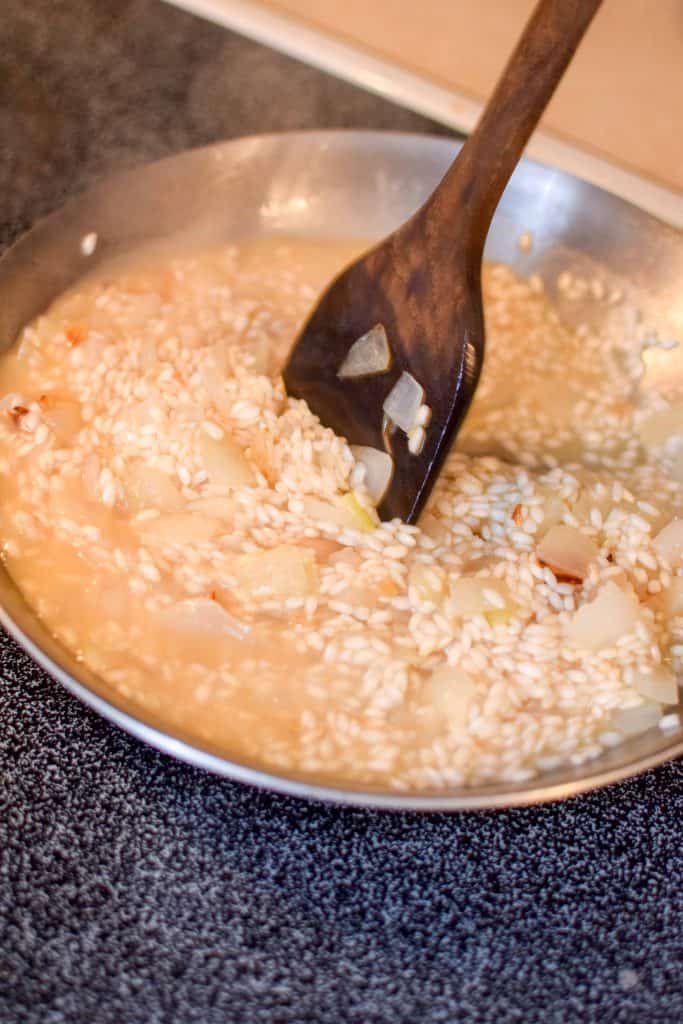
210 550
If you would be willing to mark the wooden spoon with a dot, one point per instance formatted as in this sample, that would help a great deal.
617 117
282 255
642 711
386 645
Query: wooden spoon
421 287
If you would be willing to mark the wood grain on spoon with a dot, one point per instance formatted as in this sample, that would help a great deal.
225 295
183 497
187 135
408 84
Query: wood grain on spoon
423 282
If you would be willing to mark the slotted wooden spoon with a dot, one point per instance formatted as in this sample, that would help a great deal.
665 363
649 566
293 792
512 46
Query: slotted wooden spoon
421 286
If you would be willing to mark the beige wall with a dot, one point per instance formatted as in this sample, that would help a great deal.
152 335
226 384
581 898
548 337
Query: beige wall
622 98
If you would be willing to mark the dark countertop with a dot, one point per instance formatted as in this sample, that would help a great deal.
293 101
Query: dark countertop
136 889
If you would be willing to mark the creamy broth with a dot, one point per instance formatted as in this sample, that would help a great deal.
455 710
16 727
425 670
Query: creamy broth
209 549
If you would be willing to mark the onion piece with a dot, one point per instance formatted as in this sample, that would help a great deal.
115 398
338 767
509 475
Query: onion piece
447 694
344 511
203 616
361 518
326 513
359 596
368 356
659 685
416 438
379 469
225 462
601 622
480 595
633 721
402 404
567 551
669 542
147 487
322 547
284 571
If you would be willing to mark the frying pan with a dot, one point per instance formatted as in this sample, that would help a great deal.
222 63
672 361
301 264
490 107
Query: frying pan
338 185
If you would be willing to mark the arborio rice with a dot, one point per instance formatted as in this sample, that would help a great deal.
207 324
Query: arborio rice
209 549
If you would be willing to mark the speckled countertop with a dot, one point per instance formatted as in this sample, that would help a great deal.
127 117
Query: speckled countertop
136 889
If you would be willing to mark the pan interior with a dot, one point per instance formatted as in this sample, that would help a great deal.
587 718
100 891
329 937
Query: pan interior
337 186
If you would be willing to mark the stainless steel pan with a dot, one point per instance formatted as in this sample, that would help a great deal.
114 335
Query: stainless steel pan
334 185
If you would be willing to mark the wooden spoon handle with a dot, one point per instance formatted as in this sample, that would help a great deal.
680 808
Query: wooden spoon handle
488 158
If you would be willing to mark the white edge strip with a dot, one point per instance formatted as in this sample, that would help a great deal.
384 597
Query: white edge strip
425 97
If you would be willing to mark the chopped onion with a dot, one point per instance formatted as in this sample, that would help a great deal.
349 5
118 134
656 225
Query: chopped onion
345 511
360 516
325 513
379 469
567 551
284 571
632 721
601 622
447 694
659 685
148 487
669 542
424 416
322 547
200 615
369 355
359 595
480 595
416 439
225 462
402 404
